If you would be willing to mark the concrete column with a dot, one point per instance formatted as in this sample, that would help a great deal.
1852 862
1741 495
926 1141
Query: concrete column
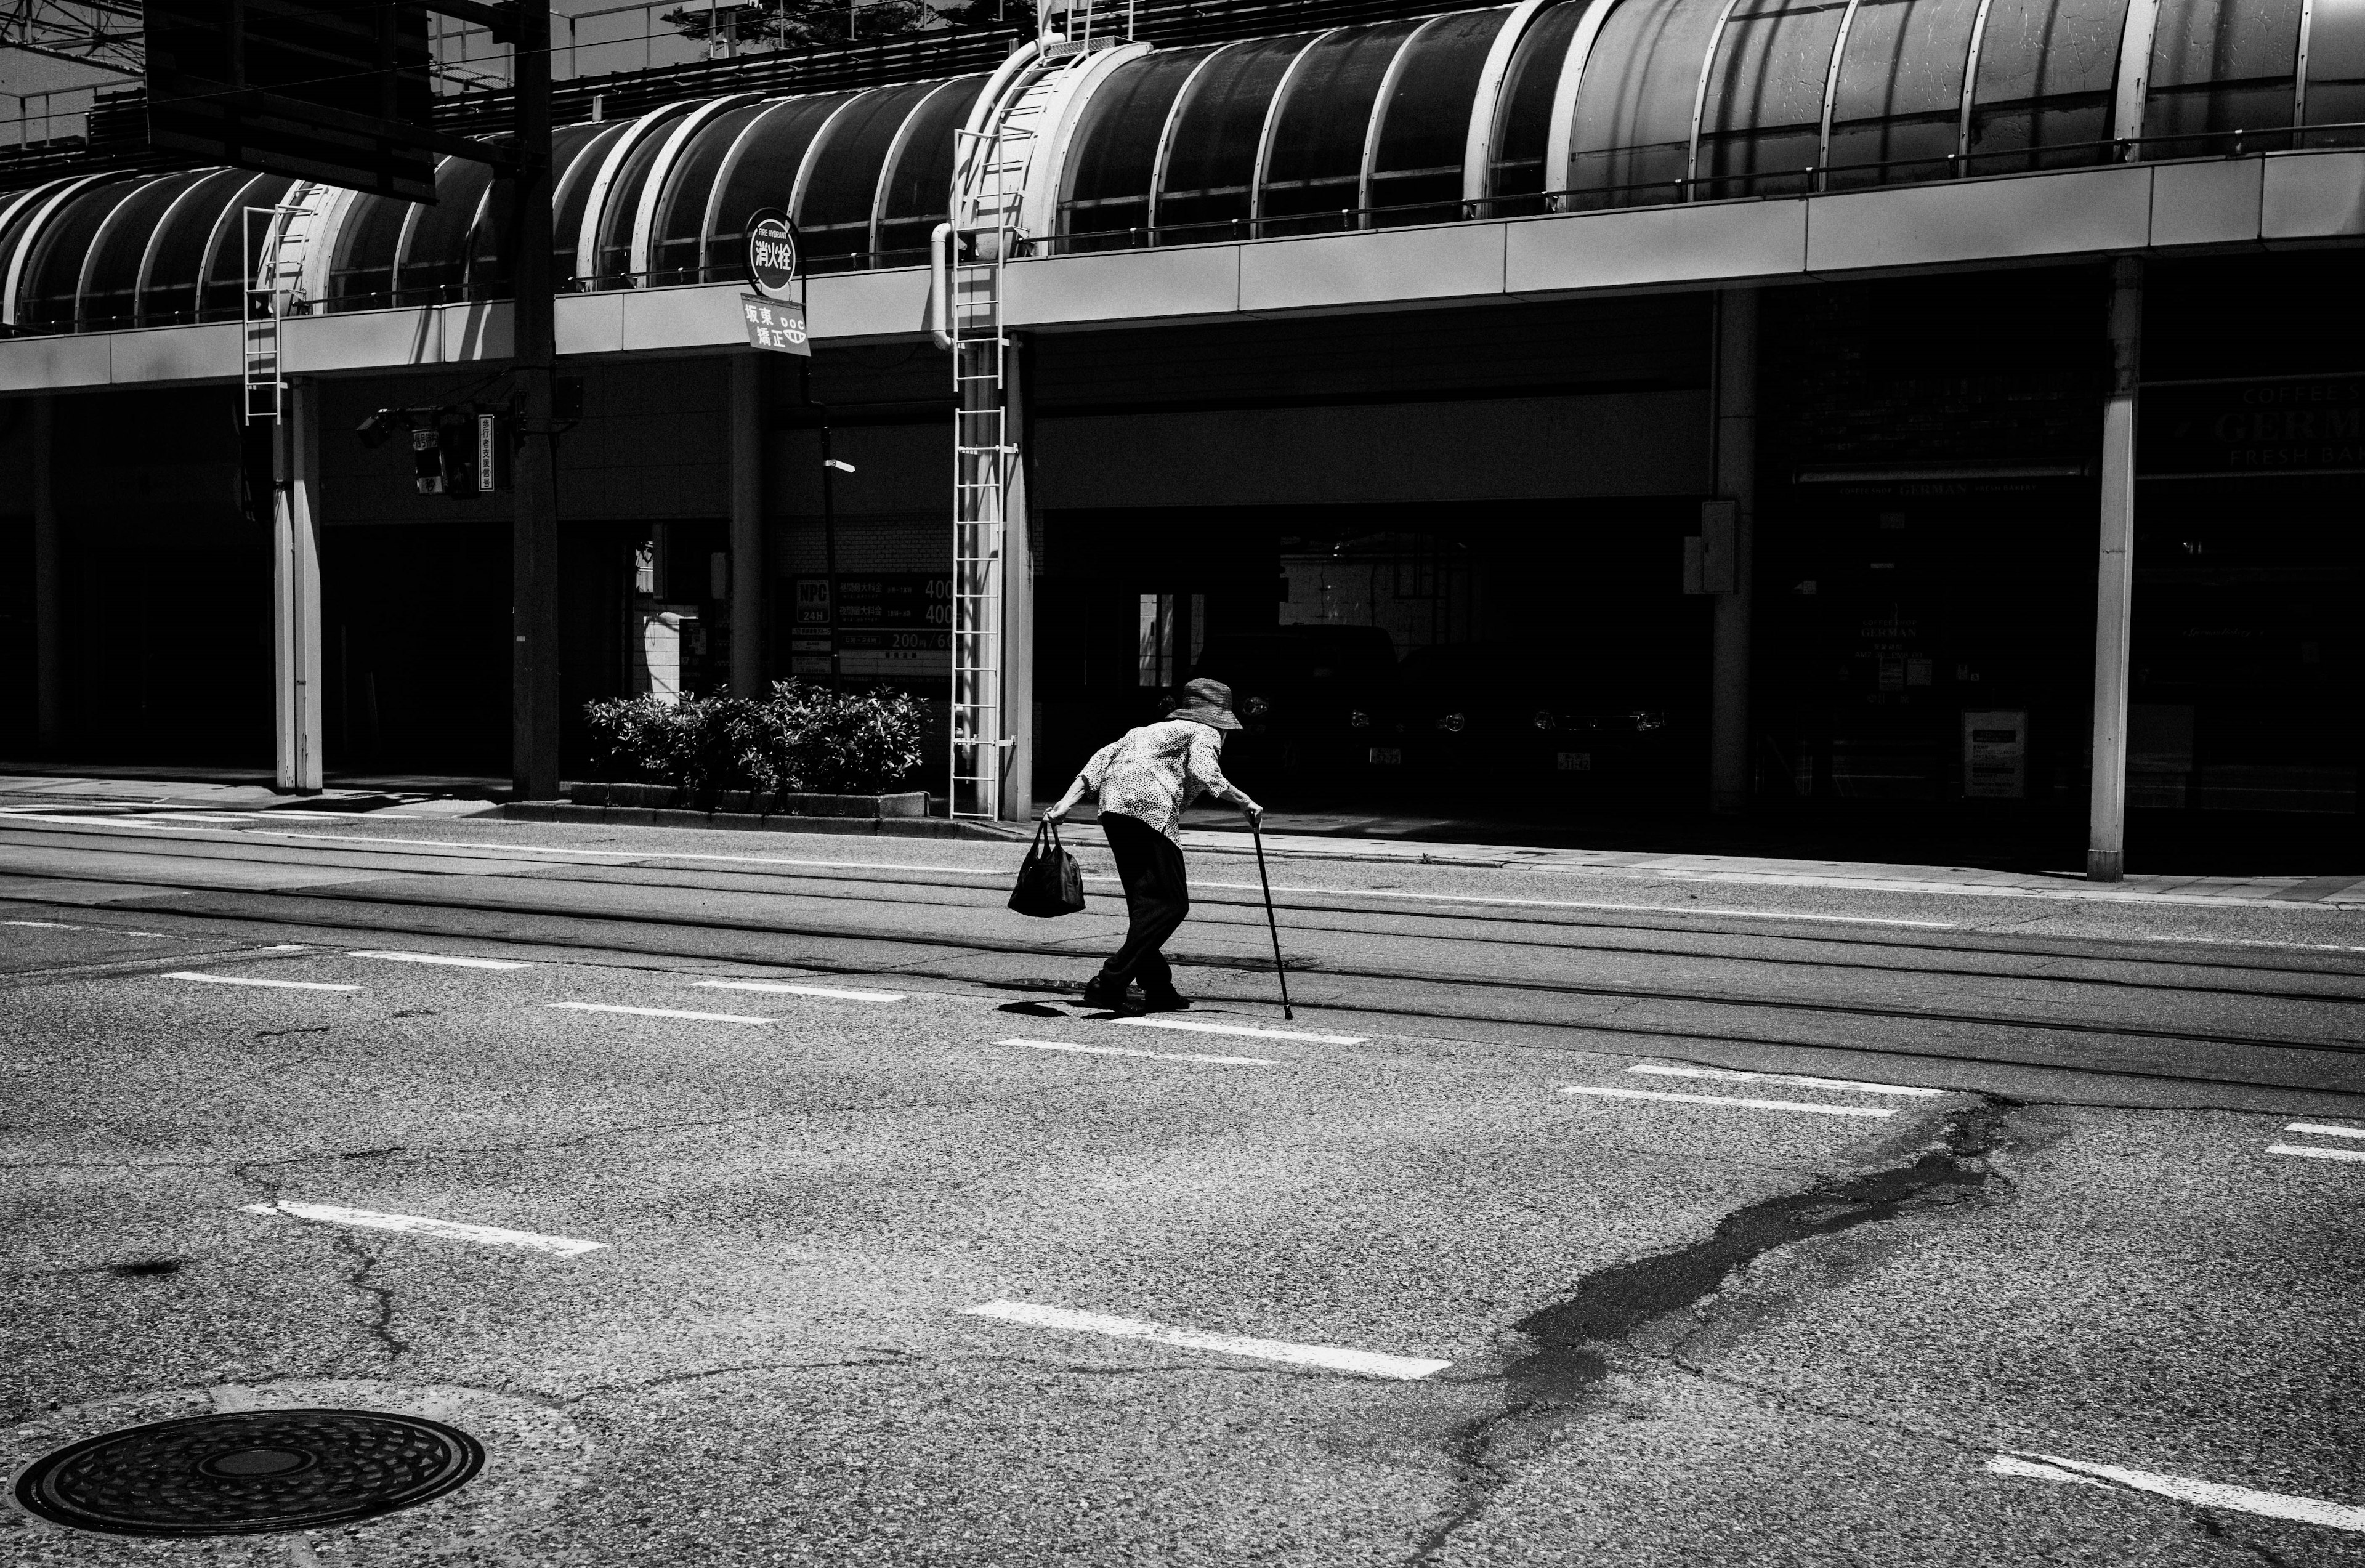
48 586
2106 823
748 574
1017 792
1735 460
296 590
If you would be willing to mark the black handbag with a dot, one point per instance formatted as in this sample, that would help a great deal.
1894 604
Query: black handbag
1050 882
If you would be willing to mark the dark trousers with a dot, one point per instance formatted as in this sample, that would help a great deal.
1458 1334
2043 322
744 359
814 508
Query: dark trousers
1157 897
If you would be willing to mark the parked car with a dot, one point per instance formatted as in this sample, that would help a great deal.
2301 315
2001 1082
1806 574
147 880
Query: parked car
1472 711
1311 699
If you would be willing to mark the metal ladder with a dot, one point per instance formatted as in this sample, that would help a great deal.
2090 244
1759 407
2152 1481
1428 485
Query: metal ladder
275 280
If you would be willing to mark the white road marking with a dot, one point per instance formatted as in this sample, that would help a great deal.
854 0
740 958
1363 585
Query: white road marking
1729 1100
2201 1493
1199 1028
250 979
370 1219
2313 1153
1369 1362
1588 906
1153 1056
659 1013
43 925
836 992
2323 1129
1729 1076
449 959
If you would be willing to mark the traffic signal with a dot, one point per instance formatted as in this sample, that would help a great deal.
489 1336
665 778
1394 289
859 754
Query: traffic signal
460 452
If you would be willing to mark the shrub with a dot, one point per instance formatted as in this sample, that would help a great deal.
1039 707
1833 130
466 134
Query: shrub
800 739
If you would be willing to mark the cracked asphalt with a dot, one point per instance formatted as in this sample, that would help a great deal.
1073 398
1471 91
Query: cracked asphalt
1679 1331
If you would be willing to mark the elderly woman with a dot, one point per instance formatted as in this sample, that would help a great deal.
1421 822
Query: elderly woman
1144 781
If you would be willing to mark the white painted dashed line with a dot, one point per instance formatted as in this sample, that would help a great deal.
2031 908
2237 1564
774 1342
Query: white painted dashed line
659 1013
2201 1493
415 1225
450 961
2323 1129
43 925
837 994
250 980
1731 1099
1370 1363
2312 1152
1728 1075
1198 1028
1152 1056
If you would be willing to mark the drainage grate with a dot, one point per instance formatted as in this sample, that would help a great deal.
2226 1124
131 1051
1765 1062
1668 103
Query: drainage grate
249 1472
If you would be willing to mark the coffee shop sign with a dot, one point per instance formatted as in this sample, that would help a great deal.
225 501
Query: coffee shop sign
2310 425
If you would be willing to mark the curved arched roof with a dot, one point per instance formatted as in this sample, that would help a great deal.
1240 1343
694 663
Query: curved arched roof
1545 105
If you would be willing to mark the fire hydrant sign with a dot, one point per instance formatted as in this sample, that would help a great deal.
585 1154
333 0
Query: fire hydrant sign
775 324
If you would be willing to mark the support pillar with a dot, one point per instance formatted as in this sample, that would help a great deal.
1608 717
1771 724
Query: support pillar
48 586
748 573
533 517
2106 823
296 590
1735 460
1019 553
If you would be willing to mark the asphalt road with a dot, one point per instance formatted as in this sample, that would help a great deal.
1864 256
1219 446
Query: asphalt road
1580 1219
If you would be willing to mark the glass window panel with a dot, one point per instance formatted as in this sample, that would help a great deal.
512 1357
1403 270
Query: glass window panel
2219 67
1314 175
1523 124
172 294
45 300
612 259
1897 114
1106 204
2335 73
1762 123
919 188
362 276
1425 129
761 172
1217 130
577 168
223 292
435 267
1633 131
680 228
833 220
2043 100
485 274
113 274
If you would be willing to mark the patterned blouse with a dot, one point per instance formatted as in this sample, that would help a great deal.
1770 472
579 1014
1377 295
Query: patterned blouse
1154 773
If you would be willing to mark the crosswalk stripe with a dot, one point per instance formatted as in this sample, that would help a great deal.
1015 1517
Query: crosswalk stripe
1371 1363
1608 1094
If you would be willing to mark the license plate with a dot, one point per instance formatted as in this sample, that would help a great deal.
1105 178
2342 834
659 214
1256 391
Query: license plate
1387 755
1577 762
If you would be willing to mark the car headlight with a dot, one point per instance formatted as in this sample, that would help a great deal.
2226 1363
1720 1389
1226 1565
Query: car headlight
1359 720
1543 719
1258 708
1645 722
1454 724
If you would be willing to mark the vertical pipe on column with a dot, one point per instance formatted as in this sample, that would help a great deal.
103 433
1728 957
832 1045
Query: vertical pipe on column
296 590
1736 460
2106 826
1017 792
49 585
749 575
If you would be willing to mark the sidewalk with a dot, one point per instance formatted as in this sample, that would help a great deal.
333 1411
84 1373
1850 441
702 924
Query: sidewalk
231 789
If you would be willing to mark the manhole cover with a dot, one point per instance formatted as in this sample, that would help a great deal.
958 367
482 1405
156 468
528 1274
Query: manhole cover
249 1472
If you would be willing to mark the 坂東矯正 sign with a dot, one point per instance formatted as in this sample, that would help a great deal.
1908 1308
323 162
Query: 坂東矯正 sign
777 325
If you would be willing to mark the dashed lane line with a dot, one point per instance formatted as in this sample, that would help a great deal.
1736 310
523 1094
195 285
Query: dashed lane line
450 961
43 925
836 993
1728 1075
2323 1129
1195 1026
2200 1494
252 979
415 1225
1152 1056
2312 1152
1608 1094
659 1013
1333 1358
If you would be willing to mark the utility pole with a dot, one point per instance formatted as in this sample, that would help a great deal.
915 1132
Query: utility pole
533 685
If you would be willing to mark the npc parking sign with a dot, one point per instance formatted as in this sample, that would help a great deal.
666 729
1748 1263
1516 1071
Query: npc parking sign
771 254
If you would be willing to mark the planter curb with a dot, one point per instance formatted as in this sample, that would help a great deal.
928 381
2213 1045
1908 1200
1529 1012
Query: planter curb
865 826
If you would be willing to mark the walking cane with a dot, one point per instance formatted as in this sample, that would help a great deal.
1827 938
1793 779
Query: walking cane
1269 925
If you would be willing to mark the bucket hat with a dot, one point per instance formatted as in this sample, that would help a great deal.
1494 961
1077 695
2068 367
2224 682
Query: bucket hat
1207 702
